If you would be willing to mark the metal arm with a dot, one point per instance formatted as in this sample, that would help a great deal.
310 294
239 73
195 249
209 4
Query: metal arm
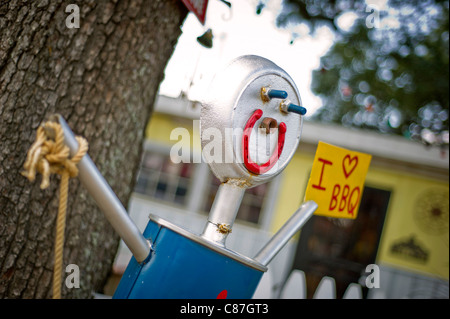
277 242
106 199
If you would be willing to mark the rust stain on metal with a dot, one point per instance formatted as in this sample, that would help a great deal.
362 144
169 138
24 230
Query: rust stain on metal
224 228
240 182
264 96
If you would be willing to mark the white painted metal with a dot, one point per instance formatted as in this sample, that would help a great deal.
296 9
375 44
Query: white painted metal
326 289
353 291
295 287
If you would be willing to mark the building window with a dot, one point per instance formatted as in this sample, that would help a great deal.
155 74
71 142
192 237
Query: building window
164 180
251 205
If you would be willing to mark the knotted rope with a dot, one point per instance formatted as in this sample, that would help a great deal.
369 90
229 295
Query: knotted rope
49 154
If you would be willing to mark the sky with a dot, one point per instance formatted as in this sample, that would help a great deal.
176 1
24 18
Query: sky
240 31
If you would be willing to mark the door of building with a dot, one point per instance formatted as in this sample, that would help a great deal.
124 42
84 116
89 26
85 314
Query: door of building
342 248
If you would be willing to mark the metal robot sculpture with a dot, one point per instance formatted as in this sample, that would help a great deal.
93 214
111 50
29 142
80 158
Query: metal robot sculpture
256 107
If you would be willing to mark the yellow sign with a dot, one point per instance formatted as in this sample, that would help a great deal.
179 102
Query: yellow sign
337 181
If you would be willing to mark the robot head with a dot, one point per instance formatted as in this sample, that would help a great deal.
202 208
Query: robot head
254 107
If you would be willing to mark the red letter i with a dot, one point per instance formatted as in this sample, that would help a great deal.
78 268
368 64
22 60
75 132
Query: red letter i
325 162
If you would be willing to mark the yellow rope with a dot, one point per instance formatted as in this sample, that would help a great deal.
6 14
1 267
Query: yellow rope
47 155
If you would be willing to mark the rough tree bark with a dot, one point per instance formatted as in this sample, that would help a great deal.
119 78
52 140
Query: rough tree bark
103 78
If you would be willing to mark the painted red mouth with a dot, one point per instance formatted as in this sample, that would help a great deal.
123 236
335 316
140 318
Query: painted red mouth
249 164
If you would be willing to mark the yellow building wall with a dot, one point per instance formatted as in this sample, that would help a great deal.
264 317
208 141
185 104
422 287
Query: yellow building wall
401 220
159 128
409 219
292 188
164 129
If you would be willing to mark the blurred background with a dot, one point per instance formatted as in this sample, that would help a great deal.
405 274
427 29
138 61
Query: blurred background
373 76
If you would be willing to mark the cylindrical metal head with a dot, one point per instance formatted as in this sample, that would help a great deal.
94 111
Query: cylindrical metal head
233 110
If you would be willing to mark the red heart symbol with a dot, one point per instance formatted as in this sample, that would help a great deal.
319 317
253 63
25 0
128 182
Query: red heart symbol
349 164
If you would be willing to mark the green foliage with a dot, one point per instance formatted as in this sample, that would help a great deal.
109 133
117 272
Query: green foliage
389 72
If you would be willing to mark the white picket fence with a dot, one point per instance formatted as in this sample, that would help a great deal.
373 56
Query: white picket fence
295 288
396 284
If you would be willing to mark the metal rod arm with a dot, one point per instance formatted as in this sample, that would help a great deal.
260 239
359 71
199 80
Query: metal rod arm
277 242
106 199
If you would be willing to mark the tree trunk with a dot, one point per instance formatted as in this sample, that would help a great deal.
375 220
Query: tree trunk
103 78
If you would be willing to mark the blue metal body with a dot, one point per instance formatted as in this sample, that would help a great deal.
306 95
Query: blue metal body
183 265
